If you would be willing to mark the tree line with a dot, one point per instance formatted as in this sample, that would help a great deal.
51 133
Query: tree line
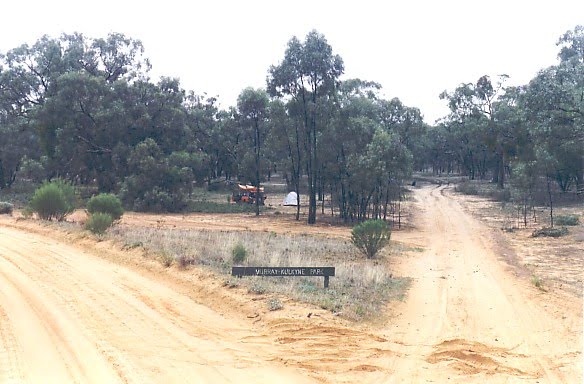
85 110
524 136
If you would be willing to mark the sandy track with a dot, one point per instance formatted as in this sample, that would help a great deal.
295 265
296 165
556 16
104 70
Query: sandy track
67 315
468 318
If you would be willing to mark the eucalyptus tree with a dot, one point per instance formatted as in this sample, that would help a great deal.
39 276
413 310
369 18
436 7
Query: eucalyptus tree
76 128
391 163
17 142
157 182
39 83
553 104
477 104
253 107
308 74
349 132
284 143
408 123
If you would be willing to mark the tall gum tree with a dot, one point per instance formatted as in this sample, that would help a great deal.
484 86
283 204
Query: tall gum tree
308 74
252 105
478 104
553 103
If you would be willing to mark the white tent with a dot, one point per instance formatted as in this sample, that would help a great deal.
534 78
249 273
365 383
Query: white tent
291 199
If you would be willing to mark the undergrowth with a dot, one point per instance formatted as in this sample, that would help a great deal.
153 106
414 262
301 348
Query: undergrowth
216 207
359 291
550 232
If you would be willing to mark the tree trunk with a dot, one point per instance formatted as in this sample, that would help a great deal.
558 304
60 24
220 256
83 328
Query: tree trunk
257 161
549 190
399 206
2 180
501 179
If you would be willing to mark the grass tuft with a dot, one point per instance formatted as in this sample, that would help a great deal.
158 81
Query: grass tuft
537 282
166 259
275 304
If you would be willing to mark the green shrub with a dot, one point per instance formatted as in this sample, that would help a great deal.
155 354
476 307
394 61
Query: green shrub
53 200
550 232
157 182
6 208
370 237
569 220
99 222
106 203
238 253
69 192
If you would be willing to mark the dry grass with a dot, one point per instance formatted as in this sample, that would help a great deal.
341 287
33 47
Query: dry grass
360 289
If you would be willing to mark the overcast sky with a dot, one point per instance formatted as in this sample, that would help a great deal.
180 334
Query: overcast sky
414 48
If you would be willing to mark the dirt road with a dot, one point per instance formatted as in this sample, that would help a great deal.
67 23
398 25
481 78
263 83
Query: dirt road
468 318
67 315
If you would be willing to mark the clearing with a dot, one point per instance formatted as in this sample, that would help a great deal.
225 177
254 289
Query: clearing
74 310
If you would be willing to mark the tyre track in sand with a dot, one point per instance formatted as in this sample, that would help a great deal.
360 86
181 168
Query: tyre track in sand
468 318
68 316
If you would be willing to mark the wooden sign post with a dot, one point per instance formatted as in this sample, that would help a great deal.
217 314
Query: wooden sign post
326 272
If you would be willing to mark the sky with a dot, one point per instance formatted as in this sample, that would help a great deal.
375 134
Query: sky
414 48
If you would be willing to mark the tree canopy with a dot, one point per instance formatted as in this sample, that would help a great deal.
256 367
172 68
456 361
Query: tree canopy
85 110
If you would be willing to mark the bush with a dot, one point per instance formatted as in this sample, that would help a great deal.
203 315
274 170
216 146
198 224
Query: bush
69 192
370 237
156 182
257 288
106 203
53 200
6 208
569 220
99 222
275 305
238 253
467 188
550 232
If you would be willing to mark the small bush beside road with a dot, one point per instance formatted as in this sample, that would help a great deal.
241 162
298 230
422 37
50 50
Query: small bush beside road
106 203
53 200
371 236
99 222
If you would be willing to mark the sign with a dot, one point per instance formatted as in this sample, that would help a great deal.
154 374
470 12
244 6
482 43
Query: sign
326 272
